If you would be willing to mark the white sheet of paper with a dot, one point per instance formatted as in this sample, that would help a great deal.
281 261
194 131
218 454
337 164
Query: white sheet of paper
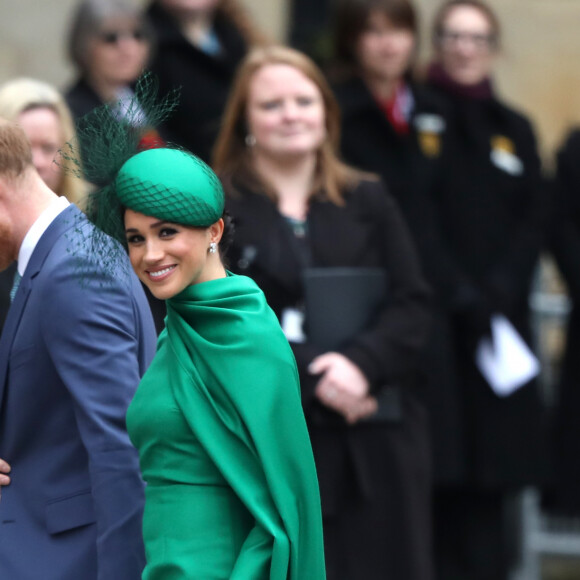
505 360
292 321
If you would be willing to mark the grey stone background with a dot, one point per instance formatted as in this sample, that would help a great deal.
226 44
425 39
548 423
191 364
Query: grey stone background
539 69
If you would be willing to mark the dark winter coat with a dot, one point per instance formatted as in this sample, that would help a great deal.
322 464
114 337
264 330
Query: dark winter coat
412 169
203 80
490 212
82 99
383 466
565 246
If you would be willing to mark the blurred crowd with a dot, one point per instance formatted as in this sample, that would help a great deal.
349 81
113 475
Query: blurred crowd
343 152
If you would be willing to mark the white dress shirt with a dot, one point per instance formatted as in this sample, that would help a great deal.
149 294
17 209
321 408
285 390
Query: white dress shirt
38 228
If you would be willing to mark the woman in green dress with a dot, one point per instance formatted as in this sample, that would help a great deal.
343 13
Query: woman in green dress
231 484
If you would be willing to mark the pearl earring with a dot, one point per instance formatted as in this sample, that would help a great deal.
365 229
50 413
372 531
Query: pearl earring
212 248
250 140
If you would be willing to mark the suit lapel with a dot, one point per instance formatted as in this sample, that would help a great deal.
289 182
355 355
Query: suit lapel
62 222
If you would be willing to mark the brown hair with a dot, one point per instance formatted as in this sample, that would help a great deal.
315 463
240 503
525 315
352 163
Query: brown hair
237 14
231 155
485 9
15 153
352 18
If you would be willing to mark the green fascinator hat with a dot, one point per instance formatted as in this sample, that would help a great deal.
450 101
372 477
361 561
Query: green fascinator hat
172 185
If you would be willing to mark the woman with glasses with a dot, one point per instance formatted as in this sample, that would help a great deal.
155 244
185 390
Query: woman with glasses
490 216
109 43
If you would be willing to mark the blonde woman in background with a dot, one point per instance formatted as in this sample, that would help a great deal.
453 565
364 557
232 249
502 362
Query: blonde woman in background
42 112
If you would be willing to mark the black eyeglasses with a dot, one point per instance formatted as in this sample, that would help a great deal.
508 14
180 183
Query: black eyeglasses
114 36
449 38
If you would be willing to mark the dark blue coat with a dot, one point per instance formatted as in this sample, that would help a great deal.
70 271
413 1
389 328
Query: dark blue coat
76 341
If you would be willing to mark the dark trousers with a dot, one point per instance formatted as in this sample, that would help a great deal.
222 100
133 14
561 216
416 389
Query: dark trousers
470 535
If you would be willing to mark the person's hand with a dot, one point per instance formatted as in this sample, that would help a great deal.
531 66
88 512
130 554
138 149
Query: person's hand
342 387
338 373
360 409
4 471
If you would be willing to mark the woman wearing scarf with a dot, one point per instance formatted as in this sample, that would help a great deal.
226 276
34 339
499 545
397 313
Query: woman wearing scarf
231 489
490 219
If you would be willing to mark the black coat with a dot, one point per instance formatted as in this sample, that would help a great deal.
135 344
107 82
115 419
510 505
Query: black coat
204 80
411 167
565 246
384 467
82 99
490 212
408 164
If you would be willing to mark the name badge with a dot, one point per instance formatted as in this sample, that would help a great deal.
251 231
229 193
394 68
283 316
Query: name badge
429 123
503 155
292 321
429 129
507 162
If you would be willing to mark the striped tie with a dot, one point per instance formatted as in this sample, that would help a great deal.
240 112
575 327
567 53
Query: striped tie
15 284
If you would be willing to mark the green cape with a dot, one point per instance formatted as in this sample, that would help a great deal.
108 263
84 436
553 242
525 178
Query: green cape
234 377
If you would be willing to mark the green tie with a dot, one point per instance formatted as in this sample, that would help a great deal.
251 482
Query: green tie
15 284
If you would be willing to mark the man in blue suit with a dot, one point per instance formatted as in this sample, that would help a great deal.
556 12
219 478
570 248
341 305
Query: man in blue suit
76 340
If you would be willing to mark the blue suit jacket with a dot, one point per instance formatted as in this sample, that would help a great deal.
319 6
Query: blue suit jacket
76 341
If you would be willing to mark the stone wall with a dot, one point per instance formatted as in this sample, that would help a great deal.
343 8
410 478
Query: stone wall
539 69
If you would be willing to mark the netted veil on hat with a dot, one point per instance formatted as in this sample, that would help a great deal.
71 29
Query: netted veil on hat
168 183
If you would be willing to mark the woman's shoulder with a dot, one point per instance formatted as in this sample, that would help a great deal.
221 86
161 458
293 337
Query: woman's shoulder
571 145
81 98
518 118
249 209
369 195
351 93
568 157
244 196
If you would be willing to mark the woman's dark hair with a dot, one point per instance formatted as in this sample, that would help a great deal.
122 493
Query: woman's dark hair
227 236
352 17
485 9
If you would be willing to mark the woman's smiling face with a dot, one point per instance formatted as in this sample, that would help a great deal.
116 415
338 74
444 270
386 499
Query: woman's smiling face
167 257
285 112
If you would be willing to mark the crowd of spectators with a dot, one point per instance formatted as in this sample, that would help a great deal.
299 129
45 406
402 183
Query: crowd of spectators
366 159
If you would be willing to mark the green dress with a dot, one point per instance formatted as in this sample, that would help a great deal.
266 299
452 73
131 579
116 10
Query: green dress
231 485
